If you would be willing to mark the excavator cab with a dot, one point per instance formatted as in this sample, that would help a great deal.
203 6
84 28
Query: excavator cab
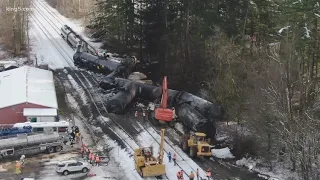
197 144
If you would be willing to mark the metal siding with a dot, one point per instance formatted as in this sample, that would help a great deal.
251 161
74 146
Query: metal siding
14 114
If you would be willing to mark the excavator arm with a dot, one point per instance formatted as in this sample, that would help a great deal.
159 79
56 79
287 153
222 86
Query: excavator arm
162 113
164 99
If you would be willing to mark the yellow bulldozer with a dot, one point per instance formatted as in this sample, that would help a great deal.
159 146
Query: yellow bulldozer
145 162
197 145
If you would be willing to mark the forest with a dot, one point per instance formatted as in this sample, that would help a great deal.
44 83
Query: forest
259 59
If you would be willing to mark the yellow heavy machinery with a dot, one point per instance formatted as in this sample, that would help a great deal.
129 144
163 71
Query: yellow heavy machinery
145 162
197 144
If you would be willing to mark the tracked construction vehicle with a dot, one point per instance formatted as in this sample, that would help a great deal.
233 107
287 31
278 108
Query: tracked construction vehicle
32 144
145 162
197 144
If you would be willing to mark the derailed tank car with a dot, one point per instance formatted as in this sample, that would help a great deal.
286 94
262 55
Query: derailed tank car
93 63
194 120
70 36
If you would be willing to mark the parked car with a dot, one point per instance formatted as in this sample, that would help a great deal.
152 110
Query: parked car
70 166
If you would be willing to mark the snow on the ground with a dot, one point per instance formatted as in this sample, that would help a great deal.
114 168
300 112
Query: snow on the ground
79 89
2 169
178 126
284 28
122 162
76 25
61 157
186 163
223 153
47 45
151 106
278 173
119 132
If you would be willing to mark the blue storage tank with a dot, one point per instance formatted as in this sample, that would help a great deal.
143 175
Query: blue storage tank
14 131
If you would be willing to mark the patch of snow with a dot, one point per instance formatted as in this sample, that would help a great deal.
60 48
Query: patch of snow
47 45
307 32
178 126
284 28
119 132
59 158
223 153
151 106
140 105
2 169
221 137
318 15
123 161
278 172
137 76
79 89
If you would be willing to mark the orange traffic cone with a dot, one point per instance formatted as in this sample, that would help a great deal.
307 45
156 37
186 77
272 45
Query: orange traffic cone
136 114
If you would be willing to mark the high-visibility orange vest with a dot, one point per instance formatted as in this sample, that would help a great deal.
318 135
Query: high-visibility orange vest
178 174
18 165
97 159
90 156
208 174
81 149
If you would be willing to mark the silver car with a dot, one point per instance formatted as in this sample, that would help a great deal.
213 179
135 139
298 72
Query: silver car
70 166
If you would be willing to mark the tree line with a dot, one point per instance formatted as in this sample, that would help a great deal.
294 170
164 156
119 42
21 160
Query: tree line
260 59
14 26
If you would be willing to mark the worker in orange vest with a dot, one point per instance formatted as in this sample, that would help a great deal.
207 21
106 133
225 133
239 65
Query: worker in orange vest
97 160
181 175
90 157
191 176
93 159
208 173
174 158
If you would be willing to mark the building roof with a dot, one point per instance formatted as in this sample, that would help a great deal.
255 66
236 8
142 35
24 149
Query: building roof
39 112
27 85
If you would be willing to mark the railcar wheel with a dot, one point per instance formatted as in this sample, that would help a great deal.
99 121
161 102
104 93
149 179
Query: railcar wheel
58 148
50 149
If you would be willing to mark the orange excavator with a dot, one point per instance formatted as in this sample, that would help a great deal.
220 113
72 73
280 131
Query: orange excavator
162 113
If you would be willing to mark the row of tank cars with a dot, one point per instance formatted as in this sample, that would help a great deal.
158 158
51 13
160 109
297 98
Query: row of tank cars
72 38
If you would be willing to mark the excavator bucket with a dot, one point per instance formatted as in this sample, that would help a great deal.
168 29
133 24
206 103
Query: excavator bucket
164 114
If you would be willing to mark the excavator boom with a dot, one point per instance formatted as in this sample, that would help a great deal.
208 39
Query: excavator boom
164 99
162 113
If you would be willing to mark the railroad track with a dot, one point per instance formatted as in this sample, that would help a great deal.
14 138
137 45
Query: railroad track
113 125
100 106
91 49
